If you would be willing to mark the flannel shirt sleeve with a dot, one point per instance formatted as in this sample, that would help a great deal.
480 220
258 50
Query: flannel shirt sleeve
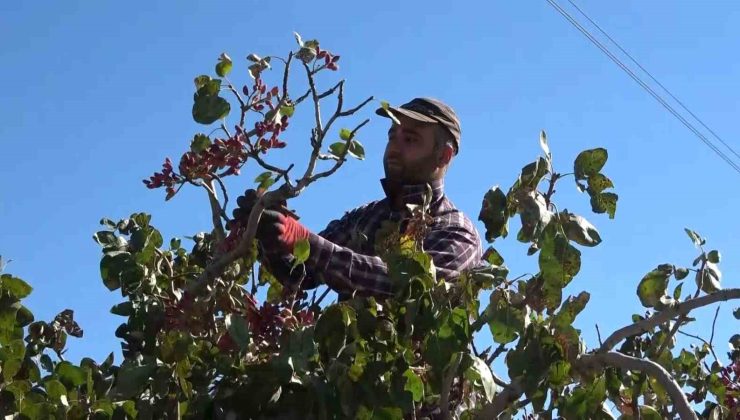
453 247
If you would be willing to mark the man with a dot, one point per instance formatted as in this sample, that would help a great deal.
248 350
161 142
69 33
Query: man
343 255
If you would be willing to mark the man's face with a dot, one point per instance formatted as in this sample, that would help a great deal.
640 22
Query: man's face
410 156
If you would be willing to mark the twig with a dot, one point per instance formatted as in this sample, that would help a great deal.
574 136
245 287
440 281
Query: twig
498 381
242 106
331 91
216 210
323 295
496 353
551 189
711 348
667 314
670 336
619 360
226 197
285 76
714 322
316 102
444 402
598 333
341 159
302 97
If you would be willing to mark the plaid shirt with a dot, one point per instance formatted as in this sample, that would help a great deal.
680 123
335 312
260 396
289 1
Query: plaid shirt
343 255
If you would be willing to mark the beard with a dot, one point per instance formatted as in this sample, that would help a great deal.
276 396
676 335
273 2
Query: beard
404 172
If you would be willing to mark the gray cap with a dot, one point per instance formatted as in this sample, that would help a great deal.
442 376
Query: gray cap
429 110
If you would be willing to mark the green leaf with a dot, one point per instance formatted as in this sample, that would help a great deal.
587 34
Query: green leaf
238 329
579 230
208 109
604 203
224 65
543 143
589 162
695 238
287 110
570 309
598 183
301 251
15 287
736 313
559 373
46 363
494 214
559 261
533 173
264 176
200 143
132 378
652 287
713 256
680 273
345 134
128 408
677 291
201 81
479 373
414 385
505 321
708 279
356 150
123 309
105 238
56 391
338 149
71 376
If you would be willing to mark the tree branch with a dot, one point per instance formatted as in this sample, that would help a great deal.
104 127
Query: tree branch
501 401
216 211
711 348
444 402
622 361
666 315
341 159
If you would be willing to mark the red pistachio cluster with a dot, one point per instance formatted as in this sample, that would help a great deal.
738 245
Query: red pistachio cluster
221 154
268 130
166 178
730 378
330 60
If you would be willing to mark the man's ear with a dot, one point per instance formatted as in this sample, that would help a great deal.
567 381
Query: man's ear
445 156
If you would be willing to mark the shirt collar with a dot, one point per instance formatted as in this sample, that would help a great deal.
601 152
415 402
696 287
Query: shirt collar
414 193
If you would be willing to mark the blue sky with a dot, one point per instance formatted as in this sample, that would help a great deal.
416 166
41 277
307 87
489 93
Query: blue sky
97 94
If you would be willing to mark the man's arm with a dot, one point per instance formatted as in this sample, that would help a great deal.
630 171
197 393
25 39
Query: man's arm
453 248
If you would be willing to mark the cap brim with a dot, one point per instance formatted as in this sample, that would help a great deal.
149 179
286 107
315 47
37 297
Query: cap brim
405 112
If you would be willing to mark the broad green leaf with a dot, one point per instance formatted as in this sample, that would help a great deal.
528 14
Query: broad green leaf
132 378
543 143
287 110
264 176
708 280
534 215
604 203
569 310
345 134
123 309
10 368
224 65
15 287
493 257
414 385
590 162
713 256
56 391
356 150
559 261
695 238
598 183
301 251
200 143
208 109
46 363
533 173
201 81
23 317
494 214
677 291
338 149
479 373
680 273
559 373
71 376
579 230
505 321
652 287
238 328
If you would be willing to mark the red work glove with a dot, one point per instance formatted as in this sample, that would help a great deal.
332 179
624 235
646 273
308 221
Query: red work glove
278 232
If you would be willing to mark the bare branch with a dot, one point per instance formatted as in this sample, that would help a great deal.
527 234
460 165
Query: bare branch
666 315
598 333
331 91
316 102
501 401
714 322
711 348
302 97
285 76
496 353
355 109
216 211
226 197
622 361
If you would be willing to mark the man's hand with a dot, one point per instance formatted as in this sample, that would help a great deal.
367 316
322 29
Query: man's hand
278 230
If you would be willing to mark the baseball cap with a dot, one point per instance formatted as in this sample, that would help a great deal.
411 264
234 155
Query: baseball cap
428 110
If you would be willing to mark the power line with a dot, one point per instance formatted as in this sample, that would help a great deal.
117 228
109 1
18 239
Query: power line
642 84
654 79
